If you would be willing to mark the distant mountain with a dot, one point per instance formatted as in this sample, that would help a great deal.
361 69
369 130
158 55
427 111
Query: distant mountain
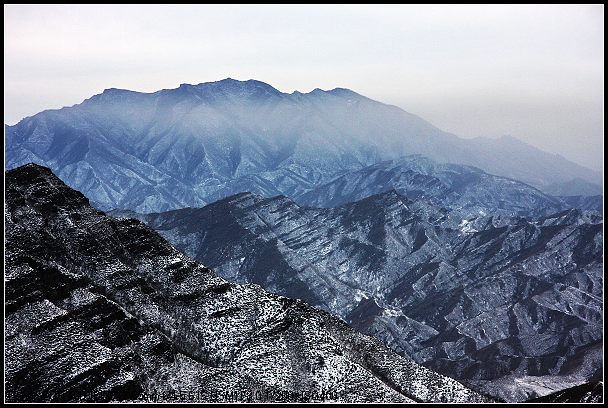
495 301
592 203
105 310
196 144
510 157
463 188
574 187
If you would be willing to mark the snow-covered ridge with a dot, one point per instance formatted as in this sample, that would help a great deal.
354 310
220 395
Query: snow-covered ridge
476 297
99 309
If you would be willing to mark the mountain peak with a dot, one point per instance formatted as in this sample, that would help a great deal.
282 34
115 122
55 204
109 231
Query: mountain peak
41 184
34 167
32 171
113 90
243 199
230 84
109 95
344 92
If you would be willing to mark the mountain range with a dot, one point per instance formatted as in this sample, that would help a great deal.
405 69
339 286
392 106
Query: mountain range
195 144
589 392
99 309
356 253
466 189
511 306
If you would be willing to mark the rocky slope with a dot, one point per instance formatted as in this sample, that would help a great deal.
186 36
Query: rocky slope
501 303
99 309
590 392
195 144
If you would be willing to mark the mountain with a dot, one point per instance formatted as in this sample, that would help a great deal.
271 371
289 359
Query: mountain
591 203
590 392
464 188
510 157
500 303
99 309
574 187
195 144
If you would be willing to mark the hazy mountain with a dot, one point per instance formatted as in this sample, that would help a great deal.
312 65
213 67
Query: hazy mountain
592 203
510 157
195 144
105 310
574 187
501 303
463 188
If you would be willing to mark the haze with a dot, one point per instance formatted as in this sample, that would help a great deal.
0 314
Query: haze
533 72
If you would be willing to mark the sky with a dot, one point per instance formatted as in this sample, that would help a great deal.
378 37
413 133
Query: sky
533 72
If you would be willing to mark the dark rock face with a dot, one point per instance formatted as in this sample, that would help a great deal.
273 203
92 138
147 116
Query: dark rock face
495 301
196 144
99 309
590 392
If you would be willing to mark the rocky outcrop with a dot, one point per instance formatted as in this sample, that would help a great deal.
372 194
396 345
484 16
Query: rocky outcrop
590 392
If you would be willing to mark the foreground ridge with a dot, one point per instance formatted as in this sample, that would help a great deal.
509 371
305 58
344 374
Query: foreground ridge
99 309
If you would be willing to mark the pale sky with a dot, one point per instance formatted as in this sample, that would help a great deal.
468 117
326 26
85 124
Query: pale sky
533 72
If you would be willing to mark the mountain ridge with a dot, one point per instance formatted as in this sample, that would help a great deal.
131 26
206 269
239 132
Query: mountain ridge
100 309
422 279
461 187
194 144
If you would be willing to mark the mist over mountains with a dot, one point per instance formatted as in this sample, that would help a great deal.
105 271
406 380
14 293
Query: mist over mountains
196 144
